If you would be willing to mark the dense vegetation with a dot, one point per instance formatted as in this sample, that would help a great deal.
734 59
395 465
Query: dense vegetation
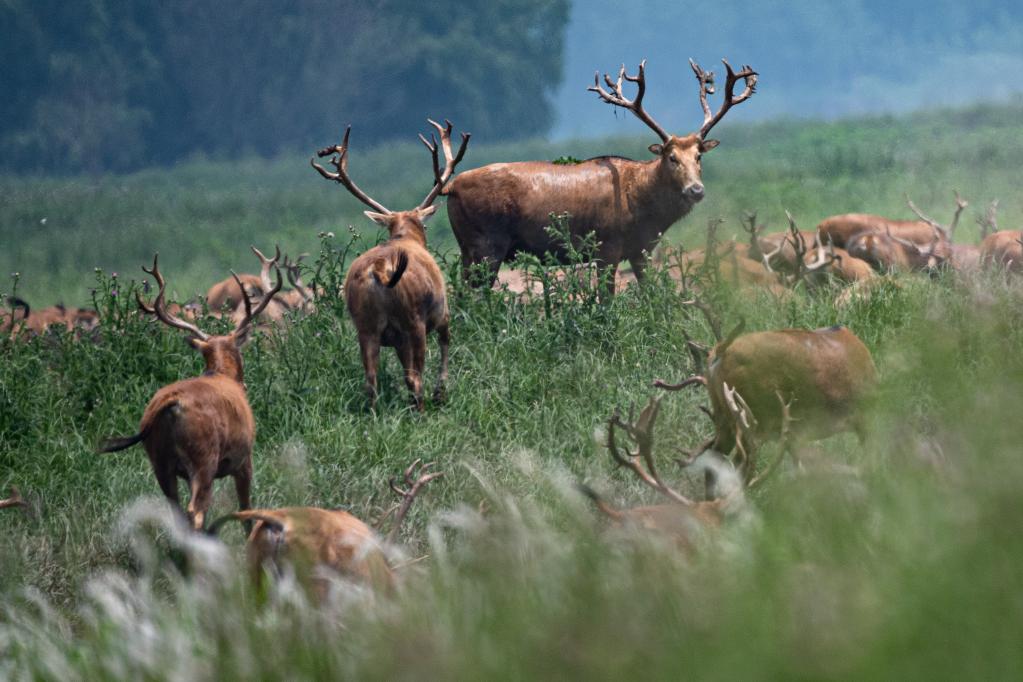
902 564
115 85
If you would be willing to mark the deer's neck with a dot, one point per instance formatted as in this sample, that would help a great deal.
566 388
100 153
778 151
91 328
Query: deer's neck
226 365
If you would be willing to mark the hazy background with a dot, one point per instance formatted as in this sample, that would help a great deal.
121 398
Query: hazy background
116 85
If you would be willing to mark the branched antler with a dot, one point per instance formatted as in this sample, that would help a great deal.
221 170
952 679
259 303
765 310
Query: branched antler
441 177
617 98
706 81
340 161
159 307
641 461
989 221
265 264
416 476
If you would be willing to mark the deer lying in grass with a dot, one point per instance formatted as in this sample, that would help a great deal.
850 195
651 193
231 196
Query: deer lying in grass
38 322
799 254
827 374
15 500
312 539
682 517
1000 248
226 295
200 429
395 292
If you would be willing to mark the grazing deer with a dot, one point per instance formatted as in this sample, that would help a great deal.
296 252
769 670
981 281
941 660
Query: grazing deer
499 210
15 500
227 294
682 517
395 292
311 539
200 429
827 374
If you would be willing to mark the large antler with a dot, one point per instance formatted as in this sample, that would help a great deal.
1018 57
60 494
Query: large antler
618 99
340 161
159 307
416 476
641 462
15 500
250 313
949 231
706 81
441 177
265 264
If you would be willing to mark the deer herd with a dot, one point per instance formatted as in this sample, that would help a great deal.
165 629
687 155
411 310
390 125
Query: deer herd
789 385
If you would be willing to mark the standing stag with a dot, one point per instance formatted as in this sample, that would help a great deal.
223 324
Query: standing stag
499 210
395 292
200 429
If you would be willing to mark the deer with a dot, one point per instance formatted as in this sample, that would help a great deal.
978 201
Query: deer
395 291
681 517
200 429
827 375
502 209
15 500
1000 248
226 294
779 252
312 539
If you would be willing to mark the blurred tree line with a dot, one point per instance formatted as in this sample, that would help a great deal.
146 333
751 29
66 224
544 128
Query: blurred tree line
112 85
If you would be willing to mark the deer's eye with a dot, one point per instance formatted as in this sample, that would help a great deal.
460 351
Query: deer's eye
674 159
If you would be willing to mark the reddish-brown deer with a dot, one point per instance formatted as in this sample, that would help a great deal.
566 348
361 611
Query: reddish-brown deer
200 429
227 293
311 539
395 292
827 374
499 210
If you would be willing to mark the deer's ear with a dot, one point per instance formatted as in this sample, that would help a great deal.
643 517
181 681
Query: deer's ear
379 218
196 343
707 145
656 149
426 213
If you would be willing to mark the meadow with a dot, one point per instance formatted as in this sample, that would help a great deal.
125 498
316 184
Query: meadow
892 559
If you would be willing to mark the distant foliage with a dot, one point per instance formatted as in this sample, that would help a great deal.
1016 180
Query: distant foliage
108 85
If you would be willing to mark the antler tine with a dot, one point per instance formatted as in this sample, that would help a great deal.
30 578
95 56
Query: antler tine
15 500
784 444
642 433
961 205
989 221
265 264
340 161
409 495
251 314
619 99
746 73
159 308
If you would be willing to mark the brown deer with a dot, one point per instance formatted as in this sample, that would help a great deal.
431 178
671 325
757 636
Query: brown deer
682 517
311 539
779 252
15 500
226 294
499 210
395 292
1000 248
200 429
827 374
